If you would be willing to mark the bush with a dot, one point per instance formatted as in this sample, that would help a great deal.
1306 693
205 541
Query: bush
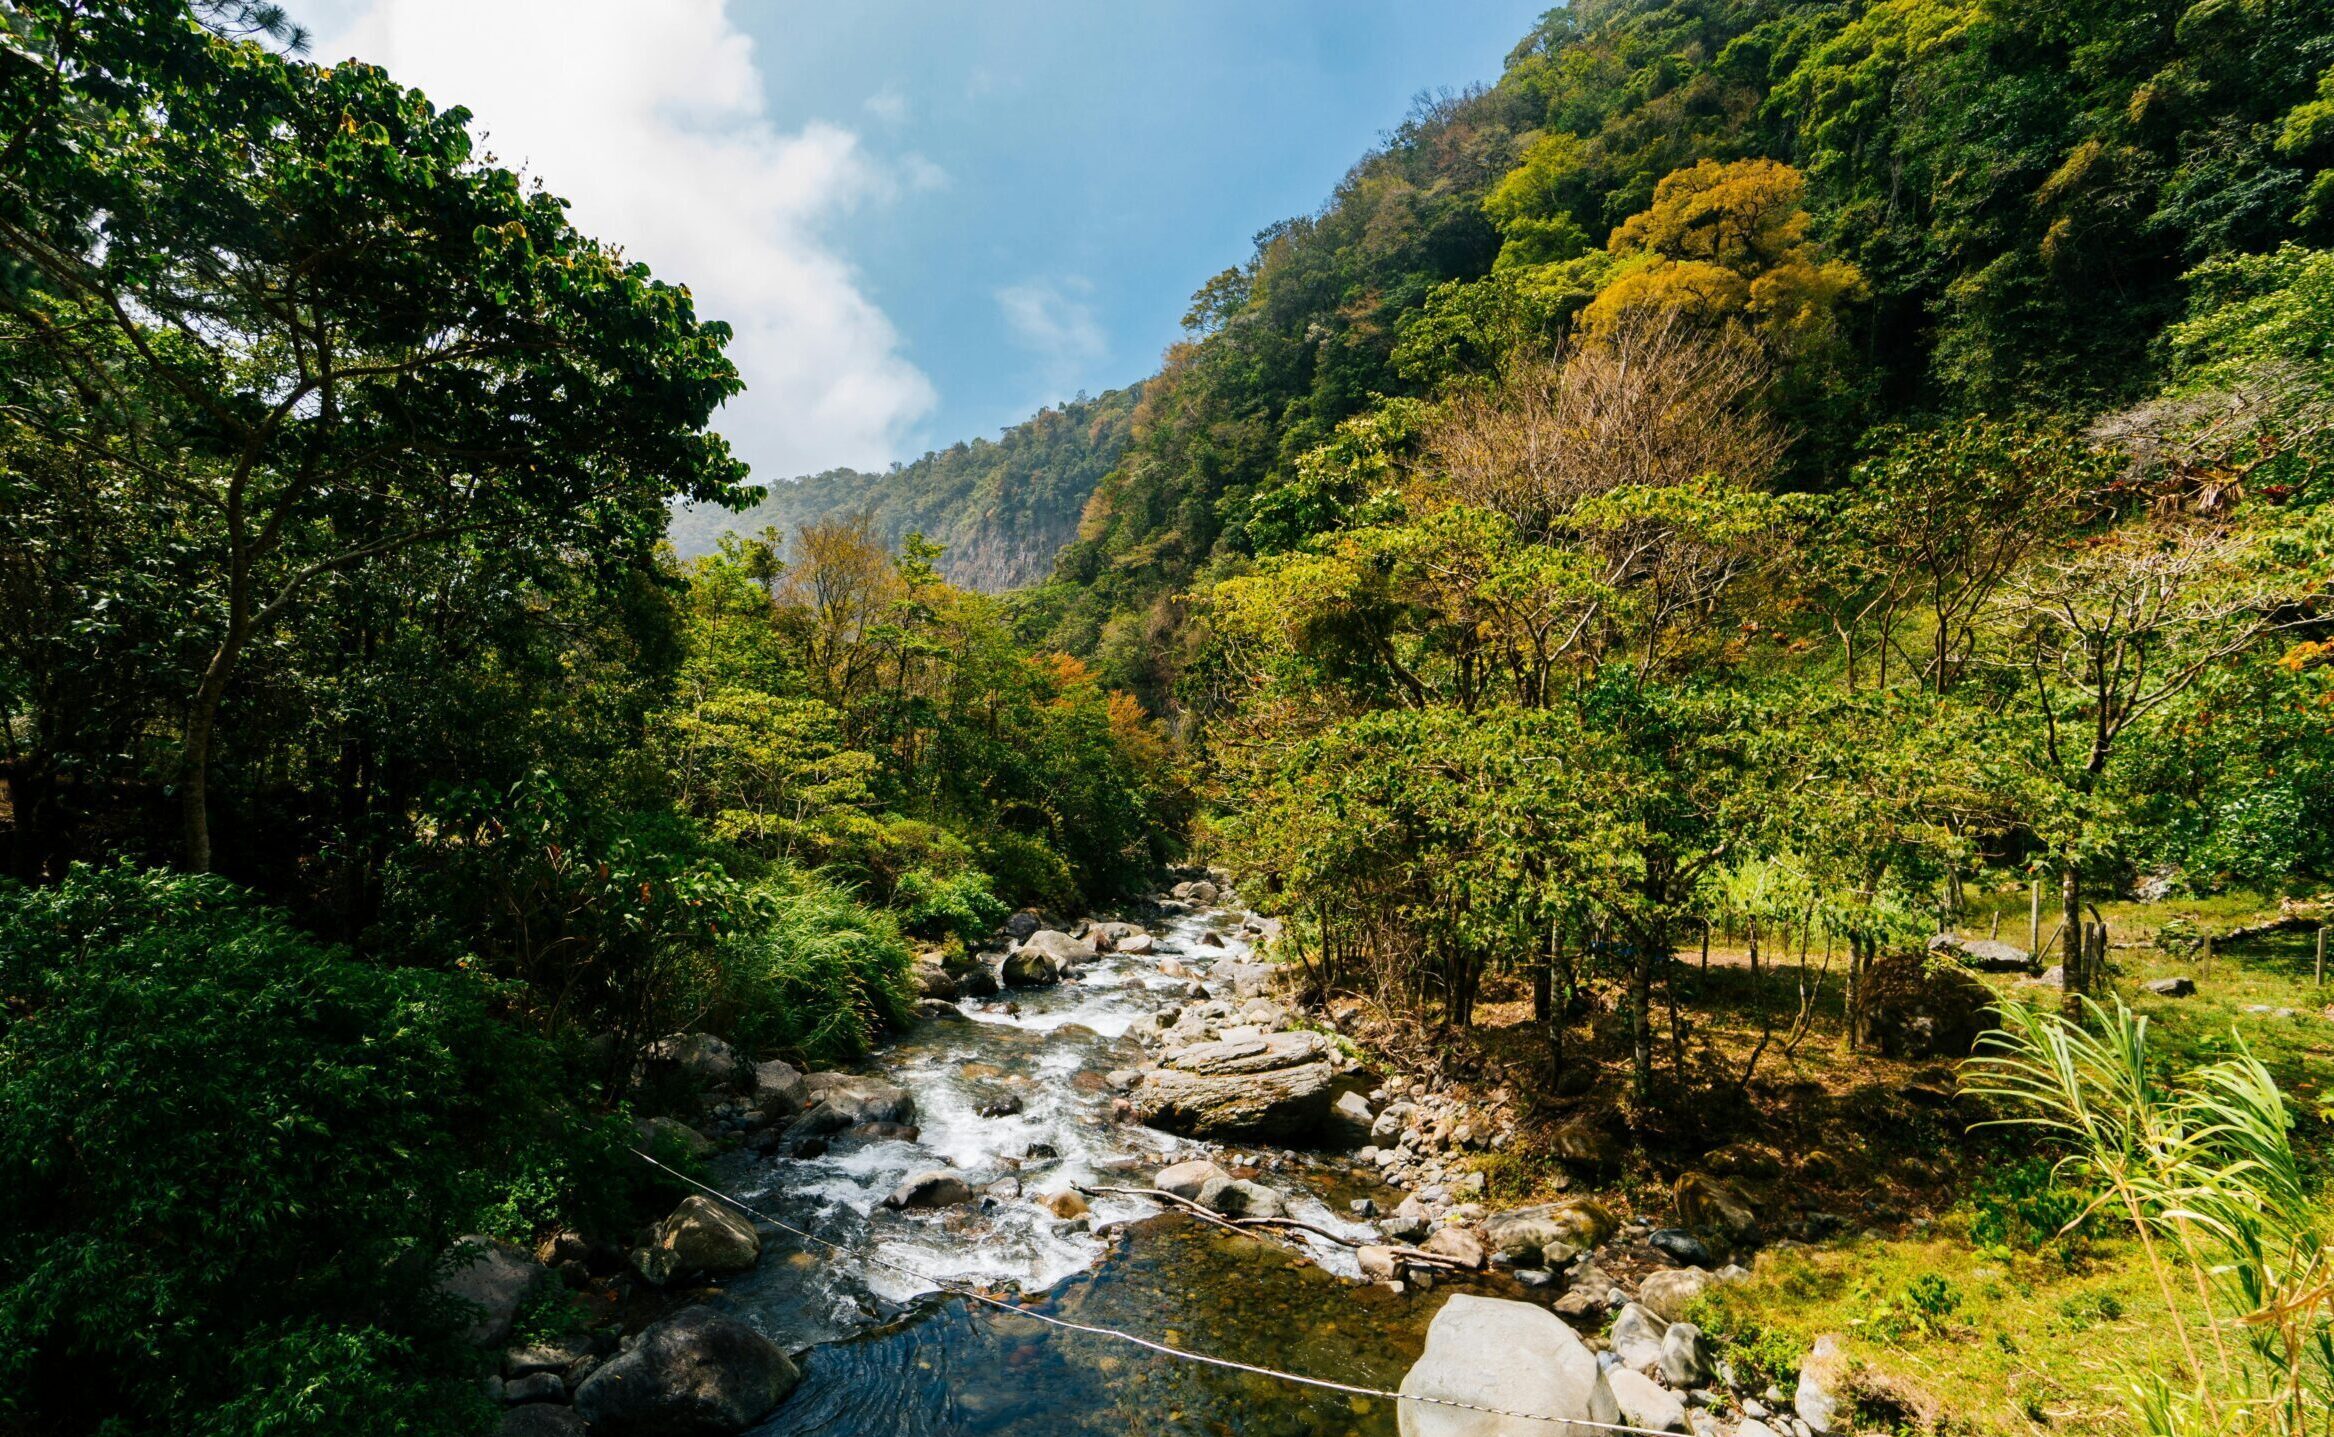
960 905
813 972
230 1158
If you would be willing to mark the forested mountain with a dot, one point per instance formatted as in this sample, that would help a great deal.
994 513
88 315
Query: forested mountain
1927 206
1001 510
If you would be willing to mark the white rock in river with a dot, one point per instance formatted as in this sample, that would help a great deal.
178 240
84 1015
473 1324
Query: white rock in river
1645 1402
1636 1338
1507 1355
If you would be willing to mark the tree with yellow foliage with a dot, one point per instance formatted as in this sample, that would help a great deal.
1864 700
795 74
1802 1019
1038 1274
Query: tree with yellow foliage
1729 242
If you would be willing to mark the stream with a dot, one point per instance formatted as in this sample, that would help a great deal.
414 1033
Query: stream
885 1352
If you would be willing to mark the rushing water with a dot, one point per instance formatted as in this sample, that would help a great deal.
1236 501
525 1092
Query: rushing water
890 1354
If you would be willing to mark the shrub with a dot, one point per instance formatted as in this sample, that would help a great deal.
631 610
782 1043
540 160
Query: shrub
813 972
230 1158
959 905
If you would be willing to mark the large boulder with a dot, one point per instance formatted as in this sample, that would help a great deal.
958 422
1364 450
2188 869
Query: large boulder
1046 956
1636 1338
695 1374
778 1091
1022 924
935 981
1513 1356
701 1236
1189 1180
1986 955
1645 1403
839 1101
671 1136
1672 1290
491 1279
1270 1086
1549 1234
1912 1007
1714 1207
701 1059
1351 1121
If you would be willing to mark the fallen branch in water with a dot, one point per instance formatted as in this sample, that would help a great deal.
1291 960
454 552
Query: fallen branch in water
1419 1256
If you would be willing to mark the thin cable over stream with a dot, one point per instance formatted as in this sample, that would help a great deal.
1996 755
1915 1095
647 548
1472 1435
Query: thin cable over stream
1560 1424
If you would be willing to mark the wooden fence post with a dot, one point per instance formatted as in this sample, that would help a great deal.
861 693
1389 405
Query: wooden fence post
2321 955
2034 918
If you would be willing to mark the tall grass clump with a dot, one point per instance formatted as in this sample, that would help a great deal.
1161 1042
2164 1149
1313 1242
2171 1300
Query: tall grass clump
814 972
2202 1168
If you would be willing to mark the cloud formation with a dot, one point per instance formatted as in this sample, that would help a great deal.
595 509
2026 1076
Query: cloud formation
1055 321
652 124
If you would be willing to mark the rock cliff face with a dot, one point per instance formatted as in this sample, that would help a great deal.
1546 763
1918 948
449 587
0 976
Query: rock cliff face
1002 509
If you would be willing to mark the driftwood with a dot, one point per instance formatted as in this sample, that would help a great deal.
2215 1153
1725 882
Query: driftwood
1250 1225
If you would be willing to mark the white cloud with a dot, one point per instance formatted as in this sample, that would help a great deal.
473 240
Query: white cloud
650 121
888 104
1053 321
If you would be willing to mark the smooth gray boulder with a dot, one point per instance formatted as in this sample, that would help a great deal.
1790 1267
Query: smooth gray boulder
701 1236
1189 1180
1822 1386
492 1279
1508 1355
1672 1290
1549 1234
1046 956
1269 1086
1986 955
1636 1338
700 1058
845 1100
1239 1198
778 1090
2176 986
1686 1356
1645 1402
1350 1120
698 1373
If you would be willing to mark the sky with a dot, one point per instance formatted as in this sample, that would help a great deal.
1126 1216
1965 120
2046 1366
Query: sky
926 219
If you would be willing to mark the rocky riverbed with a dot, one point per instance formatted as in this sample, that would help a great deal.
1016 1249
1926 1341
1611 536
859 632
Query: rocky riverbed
1082 1112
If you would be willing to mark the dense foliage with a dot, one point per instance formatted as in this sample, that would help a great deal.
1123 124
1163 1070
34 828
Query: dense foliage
335 466
1000 510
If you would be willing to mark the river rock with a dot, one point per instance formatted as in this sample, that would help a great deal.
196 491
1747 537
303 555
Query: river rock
1461 1245
702 1059
1986 955
1350 1120
1022 924
1912 1008
698 1373
671 1134
1274 1086
1240 1198
2176 986
1713 1205
1065 1204
1686 1358
1672 1290
1046 956
1644 1403
1378 1263
1138 944
1246 979
778 1089
937 1188
1822 1385
1187 1180
493 1278
934 981
541 1419
980 980
1510 1355
552 1354
1636 1338
846 1100
1409 1222
701 1236
1549 1234
534 1387
1679 1246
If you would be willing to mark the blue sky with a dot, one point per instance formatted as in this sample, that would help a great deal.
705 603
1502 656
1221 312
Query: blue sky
926 219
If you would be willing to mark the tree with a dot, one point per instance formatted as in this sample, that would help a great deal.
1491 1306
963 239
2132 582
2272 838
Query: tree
312 327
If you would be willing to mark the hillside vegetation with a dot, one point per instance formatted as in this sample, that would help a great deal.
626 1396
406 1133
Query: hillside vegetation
1000 510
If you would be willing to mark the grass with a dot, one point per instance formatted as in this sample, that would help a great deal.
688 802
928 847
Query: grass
1957 1291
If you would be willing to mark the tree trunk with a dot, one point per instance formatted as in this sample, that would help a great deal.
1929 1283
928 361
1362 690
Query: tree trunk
2076 964
1640 1016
